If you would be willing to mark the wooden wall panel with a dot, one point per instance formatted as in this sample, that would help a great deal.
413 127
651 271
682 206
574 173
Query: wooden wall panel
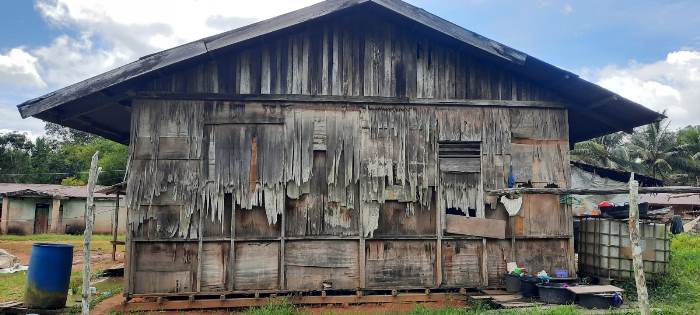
165 267
498 255
396 220
214 266
461 263
162 222
395 264
186 188
541 163
533 254
541 215
544 254
219 226
256 266
542 124
377 57
310 264
254 224
313 213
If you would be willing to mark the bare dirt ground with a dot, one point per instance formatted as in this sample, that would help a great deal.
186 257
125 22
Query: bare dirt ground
100 253
101 258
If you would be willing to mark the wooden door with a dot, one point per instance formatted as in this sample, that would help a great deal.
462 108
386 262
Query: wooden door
41 218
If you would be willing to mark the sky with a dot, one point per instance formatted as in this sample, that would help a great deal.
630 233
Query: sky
648 51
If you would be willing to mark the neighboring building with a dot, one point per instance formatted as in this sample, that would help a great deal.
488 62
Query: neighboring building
590 176
333 147
685 205
43 208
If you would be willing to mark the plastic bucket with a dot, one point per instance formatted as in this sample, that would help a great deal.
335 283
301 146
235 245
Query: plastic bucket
601 301
528 286
49 276
556 293
512 283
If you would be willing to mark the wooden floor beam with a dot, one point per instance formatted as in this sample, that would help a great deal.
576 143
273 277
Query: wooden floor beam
214 303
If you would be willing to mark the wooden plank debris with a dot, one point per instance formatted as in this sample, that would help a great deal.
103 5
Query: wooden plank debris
490 228
591 289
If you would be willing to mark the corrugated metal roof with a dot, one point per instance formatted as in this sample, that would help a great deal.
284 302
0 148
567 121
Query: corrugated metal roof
617 175
48 190
671 199
595 111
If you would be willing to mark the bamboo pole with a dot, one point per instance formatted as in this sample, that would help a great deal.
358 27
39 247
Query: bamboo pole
89 221
637 261
594 191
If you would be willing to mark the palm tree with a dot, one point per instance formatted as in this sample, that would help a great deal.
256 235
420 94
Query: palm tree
688 141
607 151
654 150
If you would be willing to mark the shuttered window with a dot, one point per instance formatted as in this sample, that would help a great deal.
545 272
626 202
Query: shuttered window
460 156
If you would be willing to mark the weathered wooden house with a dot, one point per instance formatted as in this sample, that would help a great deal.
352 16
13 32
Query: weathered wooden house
347 145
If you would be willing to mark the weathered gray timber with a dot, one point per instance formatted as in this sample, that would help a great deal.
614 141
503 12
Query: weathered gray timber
342 47
324 150
319 164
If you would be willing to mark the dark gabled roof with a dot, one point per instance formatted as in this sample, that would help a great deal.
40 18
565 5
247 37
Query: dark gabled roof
47 191
617 175
603 111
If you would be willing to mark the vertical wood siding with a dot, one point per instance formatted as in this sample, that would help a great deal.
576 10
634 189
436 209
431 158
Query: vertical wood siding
250 196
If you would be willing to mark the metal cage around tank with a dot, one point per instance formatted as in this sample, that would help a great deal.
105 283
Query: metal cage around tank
604 248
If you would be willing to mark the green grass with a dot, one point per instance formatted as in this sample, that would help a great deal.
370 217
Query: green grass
55 237
12 286
282 307
277 307
679 291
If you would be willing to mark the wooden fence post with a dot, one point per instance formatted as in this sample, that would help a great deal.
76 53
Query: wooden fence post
89 221
637 261
115 228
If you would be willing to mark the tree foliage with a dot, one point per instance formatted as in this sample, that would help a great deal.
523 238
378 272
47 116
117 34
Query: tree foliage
61 157
653 150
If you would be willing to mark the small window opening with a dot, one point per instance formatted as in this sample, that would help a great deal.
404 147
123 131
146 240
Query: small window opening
458 211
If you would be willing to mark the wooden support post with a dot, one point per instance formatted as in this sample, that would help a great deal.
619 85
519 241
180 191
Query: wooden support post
115 229
283 282
89 221
484 263
232 248
5 215
56 216
200 246
361 251
637 261
439 226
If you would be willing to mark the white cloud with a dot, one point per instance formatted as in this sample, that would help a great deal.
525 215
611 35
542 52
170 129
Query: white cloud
19 68
111 33
11 121
114 32
672 84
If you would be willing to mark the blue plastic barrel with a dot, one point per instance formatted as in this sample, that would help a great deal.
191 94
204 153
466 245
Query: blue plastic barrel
49 276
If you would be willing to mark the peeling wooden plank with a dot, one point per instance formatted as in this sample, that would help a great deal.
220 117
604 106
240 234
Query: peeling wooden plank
476 226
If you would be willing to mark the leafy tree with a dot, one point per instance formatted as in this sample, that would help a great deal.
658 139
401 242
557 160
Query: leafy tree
73 181
63 156
15 157
654 148
688 141
113 157
68 135
607 151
